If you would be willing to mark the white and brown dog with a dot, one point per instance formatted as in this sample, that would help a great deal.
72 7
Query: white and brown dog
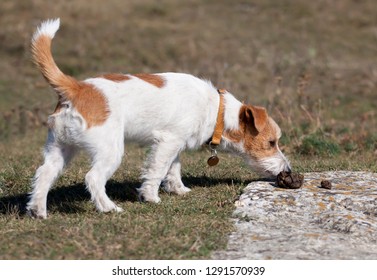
169 111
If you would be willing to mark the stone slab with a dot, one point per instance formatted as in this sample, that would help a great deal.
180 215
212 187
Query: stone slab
307 223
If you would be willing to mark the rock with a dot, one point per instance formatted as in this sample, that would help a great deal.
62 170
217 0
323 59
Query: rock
307 223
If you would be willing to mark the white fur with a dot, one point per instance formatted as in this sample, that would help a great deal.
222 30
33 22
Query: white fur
270 166
181 114
48 28
232 112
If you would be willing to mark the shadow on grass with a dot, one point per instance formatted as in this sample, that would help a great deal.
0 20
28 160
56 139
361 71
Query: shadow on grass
208 182
67 199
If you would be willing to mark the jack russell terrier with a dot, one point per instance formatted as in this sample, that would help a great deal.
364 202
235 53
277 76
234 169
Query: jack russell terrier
169 111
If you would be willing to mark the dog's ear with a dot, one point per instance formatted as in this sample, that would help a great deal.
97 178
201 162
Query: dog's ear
255 116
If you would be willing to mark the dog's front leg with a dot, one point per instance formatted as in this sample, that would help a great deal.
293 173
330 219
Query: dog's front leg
165 149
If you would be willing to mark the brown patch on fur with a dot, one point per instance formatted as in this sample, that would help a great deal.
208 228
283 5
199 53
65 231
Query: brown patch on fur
115 77
153 79
255 142
90 103
254 115
234 135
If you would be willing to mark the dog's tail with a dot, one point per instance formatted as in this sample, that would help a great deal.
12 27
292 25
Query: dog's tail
63 84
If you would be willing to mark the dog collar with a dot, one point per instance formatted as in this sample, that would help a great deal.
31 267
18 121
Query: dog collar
219 128
218 132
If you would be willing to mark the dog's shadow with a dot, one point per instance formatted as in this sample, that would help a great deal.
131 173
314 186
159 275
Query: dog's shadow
68 199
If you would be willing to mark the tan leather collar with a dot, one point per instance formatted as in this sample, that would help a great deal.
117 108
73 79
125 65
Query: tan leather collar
219 128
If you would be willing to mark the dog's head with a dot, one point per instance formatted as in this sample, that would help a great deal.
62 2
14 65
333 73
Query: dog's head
257 140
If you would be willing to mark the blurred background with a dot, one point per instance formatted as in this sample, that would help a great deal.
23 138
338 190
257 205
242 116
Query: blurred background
313 64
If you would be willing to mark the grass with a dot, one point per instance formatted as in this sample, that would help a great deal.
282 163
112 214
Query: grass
312 64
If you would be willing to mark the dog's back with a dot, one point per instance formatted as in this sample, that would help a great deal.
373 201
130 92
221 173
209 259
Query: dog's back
175 104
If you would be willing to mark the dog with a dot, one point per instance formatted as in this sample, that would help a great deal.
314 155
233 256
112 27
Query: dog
170 112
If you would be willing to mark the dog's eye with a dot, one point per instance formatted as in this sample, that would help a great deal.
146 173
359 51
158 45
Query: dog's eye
272 143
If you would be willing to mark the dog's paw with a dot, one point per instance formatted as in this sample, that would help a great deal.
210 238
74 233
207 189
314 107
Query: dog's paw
110 208
151 198
176 187
118 209
148 194
181 190
34 214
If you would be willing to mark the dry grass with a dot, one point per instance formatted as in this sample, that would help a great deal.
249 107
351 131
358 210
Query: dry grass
312 64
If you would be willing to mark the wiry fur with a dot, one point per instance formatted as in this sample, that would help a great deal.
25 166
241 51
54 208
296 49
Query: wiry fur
168 111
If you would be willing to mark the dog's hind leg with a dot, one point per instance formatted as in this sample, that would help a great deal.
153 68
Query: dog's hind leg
164 151
57 156
105 162
173 182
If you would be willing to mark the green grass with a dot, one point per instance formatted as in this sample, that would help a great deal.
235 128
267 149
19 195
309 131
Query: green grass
312 64
319 144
